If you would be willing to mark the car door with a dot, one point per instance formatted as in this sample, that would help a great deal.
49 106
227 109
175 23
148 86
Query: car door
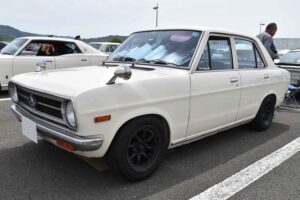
35 53
215 88
69 55
255 77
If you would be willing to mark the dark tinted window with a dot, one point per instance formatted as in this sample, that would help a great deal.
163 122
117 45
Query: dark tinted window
49 48
62 48
38 48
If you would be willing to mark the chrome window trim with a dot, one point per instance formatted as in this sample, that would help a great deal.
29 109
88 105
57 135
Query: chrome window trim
256 47
232 54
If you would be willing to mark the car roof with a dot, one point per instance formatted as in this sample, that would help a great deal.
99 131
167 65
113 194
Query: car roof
203 29
50 38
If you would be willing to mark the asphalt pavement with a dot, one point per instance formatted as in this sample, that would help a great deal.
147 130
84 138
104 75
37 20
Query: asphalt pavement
42 171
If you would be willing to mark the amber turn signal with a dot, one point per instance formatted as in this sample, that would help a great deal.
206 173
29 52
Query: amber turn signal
65 145
102 118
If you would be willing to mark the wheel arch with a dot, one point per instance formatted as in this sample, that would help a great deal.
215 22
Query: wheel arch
270 94
164 121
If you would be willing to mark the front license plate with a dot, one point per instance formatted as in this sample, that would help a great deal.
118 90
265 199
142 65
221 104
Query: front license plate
29 129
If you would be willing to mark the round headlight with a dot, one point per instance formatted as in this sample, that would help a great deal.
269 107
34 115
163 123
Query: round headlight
12 89
70 114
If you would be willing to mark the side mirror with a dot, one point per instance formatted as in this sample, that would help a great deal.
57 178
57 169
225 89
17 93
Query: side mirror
40 66
123 71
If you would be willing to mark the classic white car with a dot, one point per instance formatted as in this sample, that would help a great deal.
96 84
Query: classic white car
291 62
105 47
161 89
24 54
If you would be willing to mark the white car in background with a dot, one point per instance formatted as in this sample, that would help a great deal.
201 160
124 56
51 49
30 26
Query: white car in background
161 89
280 54
24 54
291 62
105 47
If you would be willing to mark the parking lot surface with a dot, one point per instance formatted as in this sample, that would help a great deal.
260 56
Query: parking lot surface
42 171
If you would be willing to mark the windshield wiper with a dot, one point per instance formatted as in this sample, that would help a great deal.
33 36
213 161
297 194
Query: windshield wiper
284 63
5 53
158 61
124 58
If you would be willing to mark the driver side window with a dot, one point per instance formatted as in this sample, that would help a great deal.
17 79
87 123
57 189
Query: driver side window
38 48
217 54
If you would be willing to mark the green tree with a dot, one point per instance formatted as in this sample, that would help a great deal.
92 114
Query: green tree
115 39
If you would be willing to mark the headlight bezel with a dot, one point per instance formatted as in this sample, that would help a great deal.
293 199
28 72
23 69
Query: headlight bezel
13 93
69 115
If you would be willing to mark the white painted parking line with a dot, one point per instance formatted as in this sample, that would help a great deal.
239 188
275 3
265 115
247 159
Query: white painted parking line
5 99
242 179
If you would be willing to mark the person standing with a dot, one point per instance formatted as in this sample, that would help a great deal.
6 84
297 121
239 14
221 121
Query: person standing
266 38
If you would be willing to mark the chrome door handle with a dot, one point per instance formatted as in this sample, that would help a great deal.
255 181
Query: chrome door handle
83 60
234 79
49 61
266 76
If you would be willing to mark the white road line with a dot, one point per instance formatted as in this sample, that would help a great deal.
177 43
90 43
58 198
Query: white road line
5 99
242 179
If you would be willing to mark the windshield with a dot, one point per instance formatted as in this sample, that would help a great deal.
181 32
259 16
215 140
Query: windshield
292 57
169 48
13 46
95 45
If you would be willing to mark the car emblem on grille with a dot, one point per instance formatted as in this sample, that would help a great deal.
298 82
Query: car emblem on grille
32 101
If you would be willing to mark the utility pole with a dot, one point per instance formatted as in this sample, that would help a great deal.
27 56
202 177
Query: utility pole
156 8
260 25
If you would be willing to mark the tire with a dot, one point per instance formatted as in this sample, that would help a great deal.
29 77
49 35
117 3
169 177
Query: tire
265 114
138 149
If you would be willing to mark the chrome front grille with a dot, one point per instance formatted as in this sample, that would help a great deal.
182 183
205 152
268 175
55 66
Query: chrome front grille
42 105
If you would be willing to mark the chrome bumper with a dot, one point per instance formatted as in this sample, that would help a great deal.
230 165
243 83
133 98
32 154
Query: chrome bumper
51 131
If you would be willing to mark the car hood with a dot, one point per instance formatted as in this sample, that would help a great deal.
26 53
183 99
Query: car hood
71 82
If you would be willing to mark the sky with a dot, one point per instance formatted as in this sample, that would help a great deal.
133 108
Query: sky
97 18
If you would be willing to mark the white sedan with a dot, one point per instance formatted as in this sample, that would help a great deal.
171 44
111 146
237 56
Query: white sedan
161 89
105 47
24 54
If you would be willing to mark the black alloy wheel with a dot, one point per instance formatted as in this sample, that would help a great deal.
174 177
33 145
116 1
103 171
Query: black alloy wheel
138 148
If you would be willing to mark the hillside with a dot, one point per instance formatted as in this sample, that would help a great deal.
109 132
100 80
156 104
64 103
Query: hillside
9 33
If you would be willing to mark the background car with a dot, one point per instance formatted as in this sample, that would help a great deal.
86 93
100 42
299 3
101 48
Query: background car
280 54
23 54
105 47
3 44
291 62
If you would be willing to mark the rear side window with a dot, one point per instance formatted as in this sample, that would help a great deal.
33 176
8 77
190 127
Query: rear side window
248 55
217 54
62 48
